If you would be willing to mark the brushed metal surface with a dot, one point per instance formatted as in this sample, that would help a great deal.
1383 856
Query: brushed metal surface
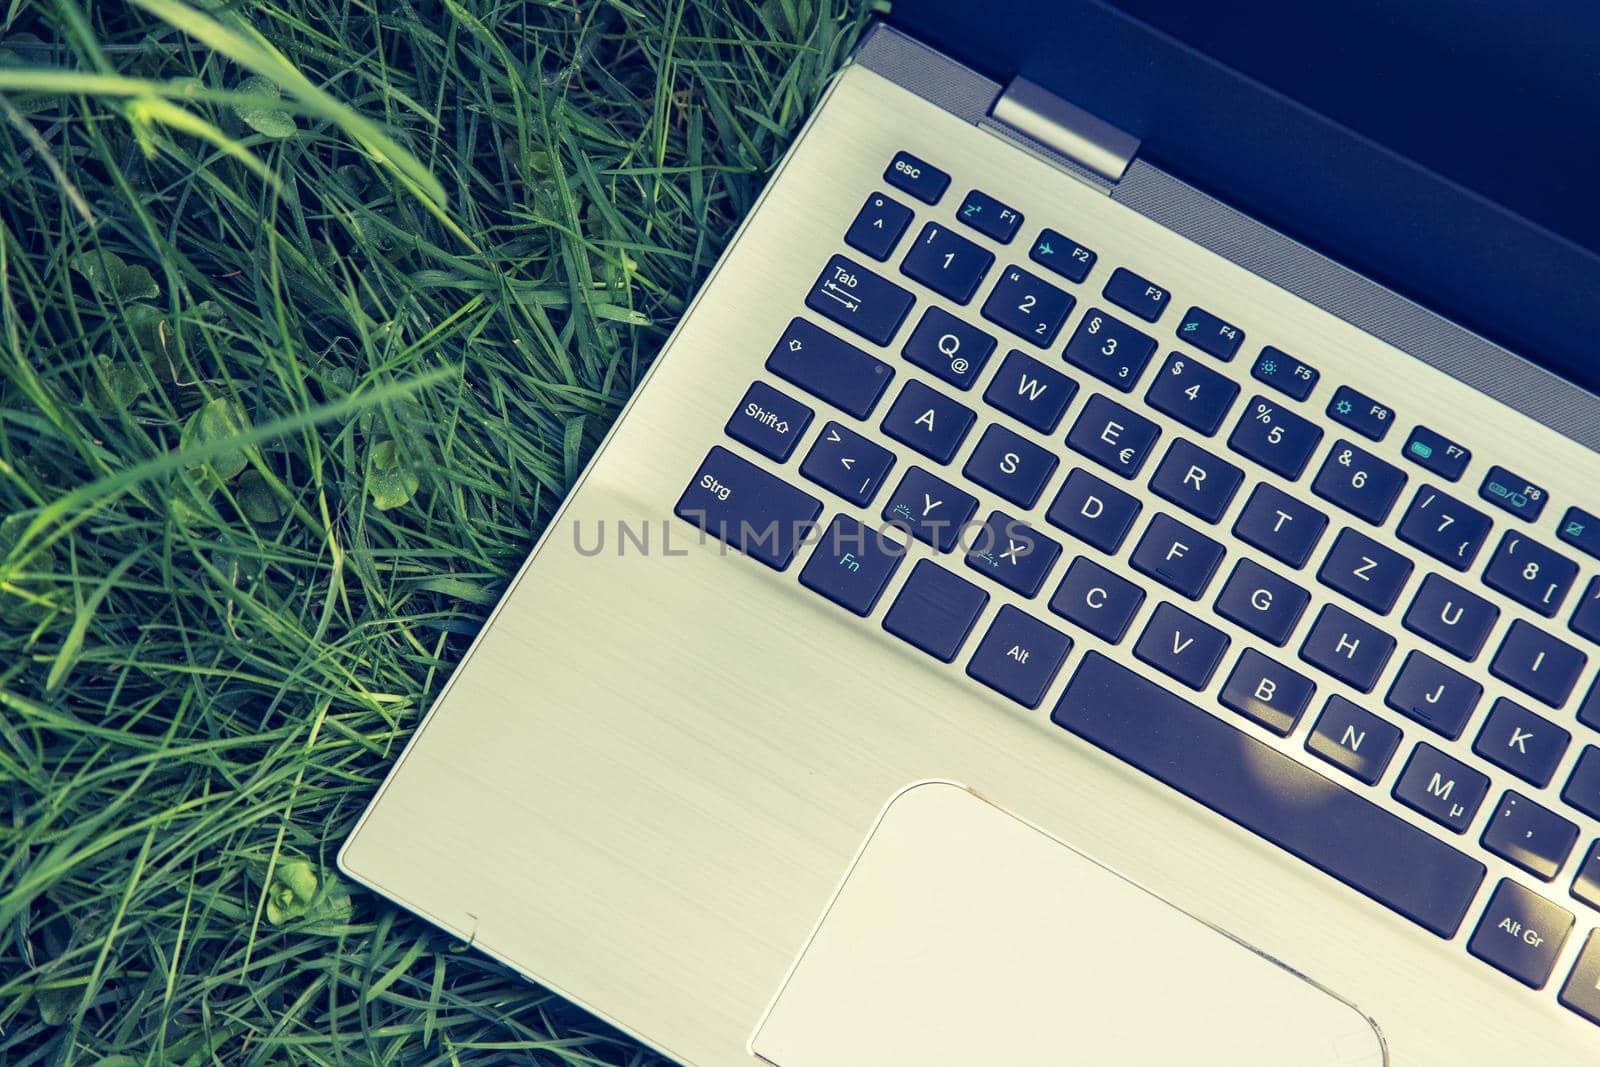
652 769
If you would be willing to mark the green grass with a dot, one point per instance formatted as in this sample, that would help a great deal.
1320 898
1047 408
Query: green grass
309 314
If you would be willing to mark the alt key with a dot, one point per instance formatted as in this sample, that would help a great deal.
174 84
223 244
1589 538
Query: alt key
1521 933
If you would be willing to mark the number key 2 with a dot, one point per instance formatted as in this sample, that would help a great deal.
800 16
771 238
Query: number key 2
1531 574
1110 350
1028 306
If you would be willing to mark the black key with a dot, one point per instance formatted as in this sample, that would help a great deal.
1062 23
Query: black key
1434 695
1132 293
1586 887
1356 741
751 510
1375 852
1028 306
829 369
1111 351
1192 393
930 509
1092 511
878 227
1360 413
1347 648
1284 373
1266 692
1534 838
1445 790
1181 646
1521 934
949 348
859 300
1589 710
1010 465
1582 790
1263 603
1444 528
1097 600
928 421
1019 656
1586 617
1521 742
844 462
1359 482
1517 495
1285 528
935 610
1452 618
1113 436
989 216
1538 664
1530 574
1195 480
1210 334
852 564
1279 440
1437 453
1181 559
922 180
1063 255
769 421
1581 530
1012 553
1365 571
947 263
1030 392
1581 992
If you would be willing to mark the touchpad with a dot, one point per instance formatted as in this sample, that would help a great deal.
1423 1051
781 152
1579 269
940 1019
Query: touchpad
963 935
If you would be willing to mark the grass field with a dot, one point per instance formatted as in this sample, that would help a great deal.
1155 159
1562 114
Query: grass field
309 314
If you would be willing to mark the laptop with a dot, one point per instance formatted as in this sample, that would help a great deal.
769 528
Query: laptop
1107 569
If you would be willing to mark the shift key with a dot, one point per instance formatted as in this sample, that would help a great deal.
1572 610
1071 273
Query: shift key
757 513
859 300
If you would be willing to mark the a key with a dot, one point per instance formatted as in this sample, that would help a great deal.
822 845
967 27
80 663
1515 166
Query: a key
1030 392
878 227
852 564
751 510
1586 619
1534 838
831 370
1019 656
1538 664
1531 574
1010 465
1012 553
1094 512
1521 742
1452 618
1276 438
1028 306
1110 350
1181 646
1519 496
1582 790
930 509
1444 528
1063 255
859 300
947 263
1097 600
1266 692
1365 571
989 216
1182 559
1359 482
1432 694
1521 934
1437 453
844 462
1263 603
935 610
1285 373
1360 413
1210 334
948 348
1347 648
911 175
1195 480
1139 295
1285 528
928 421
1354 740
1113 436
1444 789
769 421
1192 393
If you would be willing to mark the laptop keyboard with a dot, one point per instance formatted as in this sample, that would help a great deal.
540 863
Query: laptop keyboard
1068 431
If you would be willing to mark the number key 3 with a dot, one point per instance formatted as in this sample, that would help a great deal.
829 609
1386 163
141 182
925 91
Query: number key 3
1110 350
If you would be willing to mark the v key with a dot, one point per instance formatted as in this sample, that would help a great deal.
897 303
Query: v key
1181 646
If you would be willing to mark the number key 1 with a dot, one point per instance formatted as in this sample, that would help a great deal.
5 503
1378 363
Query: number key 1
1110 350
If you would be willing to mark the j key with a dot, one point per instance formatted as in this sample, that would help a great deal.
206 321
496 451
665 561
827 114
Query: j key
1356 741
1359 482
769 421
1028 306
1581 530
829 369
1097 600
1263 603
1437 453
1521 934
1582 790
935 610
1110 350
1030 392
1266 692
1444 528
1192 393
1434 695
1373 851
1132 293
878 227
930 509
1063 255
1278 524
1181 559
846 463
751 510
852 564
989 216
1019 656
1013 554
1530 574
1586 618
1092 511
1010 465
1538 664
1445 790
1360 413
947 263
1347 648
1284 373
911 175
947 347
1113 436
1581 992
1210 334
1452 618
1279 440
1196 481
1517 495
859 300
1534 838
1520 741
1586 887
1181 646
928 421
1365 571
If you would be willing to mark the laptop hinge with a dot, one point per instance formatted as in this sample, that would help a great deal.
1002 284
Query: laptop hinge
1037 114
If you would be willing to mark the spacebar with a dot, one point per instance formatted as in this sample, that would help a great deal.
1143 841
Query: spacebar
1261 789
